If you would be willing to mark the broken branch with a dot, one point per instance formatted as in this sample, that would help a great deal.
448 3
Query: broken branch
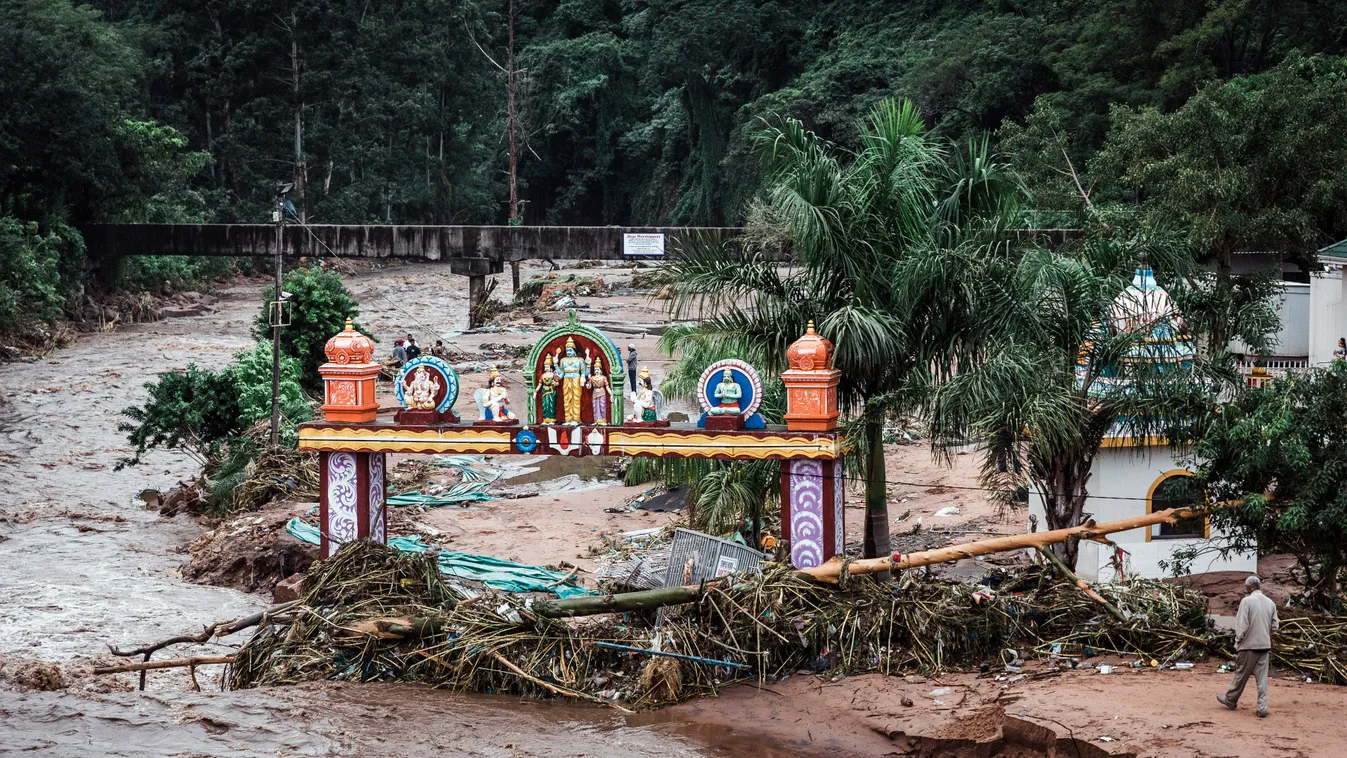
169 664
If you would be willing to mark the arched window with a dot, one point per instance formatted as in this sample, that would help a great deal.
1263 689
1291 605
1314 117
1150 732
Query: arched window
1174 490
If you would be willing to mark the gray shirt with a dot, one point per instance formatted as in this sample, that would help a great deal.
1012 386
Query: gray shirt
1255 622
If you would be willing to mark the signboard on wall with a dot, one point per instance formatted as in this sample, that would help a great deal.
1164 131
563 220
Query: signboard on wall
643 244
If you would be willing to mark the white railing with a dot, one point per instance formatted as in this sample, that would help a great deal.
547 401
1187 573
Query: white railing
1259 376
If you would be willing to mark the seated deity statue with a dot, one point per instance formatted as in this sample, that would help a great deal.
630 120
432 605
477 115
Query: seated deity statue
494 399
728 394
422 389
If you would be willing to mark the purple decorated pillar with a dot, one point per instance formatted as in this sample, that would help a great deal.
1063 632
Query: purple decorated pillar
812 510
351 499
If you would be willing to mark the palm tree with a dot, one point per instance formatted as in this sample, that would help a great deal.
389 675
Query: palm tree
848 219
1075 352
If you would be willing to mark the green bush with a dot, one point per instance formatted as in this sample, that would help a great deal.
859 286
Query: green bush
319 307
251 377
199 410
193 410
33 272
148 272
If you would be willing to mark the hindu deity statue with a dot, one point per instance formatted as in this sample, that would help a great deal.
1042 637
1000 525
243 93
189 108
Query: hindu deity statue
573 370
645 399
601 393
494 399
547 389
728 393
421 390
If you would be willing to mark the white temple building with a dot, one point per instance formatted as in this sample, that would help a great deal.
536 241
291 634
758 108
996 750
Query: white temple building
1313 311
1132 477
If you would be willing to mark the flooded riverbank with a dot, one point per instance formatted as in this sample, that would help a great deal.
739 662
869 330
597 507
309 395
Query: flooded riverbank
348 719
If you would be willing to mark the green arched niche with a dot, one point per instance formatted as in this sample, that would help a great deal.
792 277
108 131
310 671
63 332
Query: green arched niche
612 357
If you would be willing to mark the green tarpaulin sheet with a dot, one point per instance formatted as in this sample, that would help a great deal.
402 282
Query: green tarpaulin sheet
495 573
476 477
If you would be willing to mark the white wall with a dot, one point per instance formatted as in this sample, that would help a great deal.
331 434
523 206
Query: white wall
1119 483
1328 309
1293 309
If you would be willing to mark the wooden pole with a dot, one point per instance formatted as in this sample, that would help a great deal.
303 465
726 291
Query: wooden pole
830 571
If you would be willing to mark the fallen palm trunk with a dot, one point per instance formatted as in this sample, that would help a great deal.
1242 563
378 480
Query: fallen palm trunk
832 570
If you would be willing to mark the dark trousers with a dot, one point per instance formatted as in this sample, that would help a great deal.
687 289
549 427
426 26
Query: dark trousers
1250 663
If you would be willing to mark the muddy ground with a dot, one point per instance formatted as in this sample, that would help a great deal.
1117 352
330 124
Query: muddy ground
83 563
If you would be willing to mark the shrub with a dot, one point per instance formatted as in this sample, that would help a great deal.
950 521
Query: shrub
192 410
32 263
320 305
251 377
1280 452
199 410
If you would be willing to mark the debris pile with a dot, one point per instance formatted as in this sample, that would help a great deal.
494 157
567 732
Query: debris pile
372 614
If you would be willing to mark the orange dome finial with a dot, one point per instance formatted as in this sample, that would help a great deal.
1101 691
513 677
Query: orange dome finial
349 346
811 352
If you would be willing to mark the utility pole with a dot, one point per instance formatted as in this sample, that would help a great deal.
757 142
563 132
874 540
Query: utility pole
275 314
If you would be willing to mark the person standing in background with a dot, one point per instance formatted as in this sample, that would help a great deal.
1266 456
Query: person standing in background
1254 624
399 353
631 366
413 352
438 350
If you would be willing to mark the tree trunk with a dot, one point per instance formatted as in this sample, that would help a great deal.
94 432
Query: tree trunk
1064 493
829 571
301 172
621 603
876 496
510 115
1220 328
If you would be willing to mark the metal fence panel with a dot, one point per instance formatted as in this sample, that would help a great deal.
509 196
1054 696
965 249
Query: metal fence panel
695 558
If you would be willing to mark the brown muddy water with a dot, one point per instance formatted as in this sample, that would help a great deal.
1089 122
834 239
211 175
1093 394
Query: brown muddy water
333 719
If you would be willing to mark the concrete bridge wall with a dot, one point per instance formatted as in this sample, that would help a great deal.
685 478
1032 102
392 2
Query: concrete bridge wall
493 243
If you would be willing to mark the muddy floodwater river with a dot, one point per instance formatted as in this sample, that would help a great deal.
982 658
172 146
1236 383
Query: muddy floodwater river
351 719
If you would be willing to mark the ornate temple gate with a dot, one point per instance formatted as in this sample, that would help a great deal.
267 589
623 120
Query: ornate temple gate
353 440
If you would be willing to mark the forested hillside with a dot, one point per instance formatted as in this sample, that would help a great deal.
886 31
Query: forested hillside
637 112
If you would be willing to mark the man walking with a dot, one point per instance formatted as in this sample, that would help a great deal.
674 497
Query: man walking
1254 625
631 366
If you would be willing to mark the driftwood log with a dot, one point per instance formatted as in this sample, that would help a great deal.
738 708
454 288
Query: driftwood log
218 629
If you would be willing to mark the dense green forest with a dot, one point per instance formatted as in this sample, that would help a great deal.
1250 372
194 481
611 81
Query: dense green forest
1226 117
